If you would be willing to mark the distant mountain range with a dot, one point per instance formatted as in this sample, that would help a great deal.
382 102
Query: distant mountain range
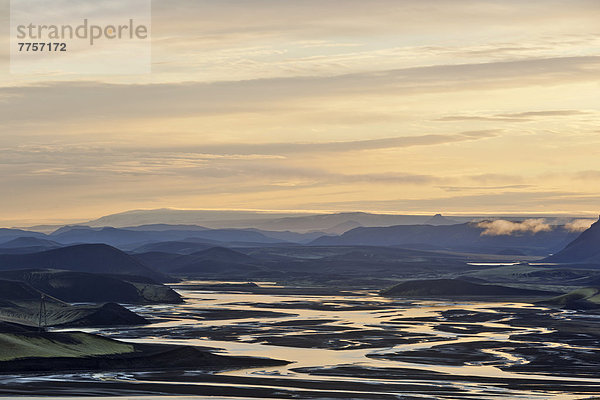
159 250
95 258
124 237
333 223
10 234
27 244
195 230
467 237
188 239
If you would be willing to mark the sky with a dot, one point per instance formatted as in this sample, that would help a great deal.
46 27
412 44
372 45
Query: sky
457 106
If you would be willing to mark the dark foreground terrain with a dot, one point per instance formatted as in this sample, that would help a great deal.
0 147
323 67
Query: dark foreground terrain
26 350
342 344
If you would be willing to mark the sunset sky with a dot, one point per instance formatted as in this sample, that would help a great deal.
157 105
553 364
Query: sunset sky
460 107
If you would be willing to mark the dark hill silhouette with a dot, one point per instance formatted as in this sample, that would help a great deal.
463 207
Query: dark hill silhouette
584 249
9 234
174 247
136 237
27 244
28 241
94 288
106 235
215 259
96 258
460 237
225 255
457 288
20 302
17 291
159 260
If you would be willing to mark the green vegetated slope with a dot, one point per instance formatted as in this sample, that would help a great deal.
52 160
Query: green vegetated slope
24 349
584 298
58 344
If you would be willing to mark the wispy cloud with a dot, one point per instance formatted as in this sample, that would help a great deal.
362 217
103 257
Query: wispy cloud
69 101
502 227
74 165
468 188
324 104
579 225
514 117
353 145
